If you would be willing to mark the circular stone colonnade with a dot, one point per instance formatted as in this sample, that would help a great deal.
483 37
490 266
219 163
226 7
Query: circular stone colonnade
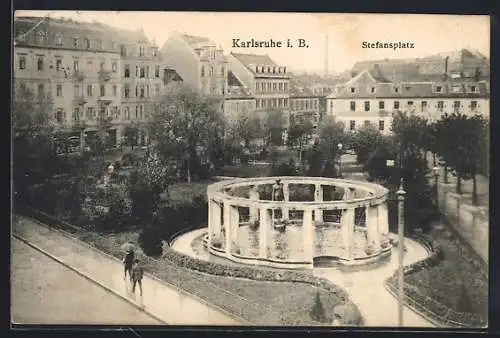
358 234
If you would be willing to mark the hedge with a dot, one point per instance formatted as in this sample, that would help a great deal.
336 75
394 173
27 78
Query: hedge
435 310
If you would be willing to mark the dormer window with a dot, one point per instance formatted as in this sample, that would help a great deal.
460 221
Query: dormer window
86 43
352 90
99 44
274 70
40 37
396 89
59 40
76 42
438 89
372 90
474 89
269 69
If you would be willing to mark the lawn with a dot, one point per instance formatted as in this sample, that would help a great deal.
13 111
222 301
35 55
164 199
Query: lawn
458 282
259 302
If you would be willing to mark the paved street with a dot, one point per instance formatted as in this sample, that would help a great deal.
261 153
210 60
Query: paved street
46 292
159 299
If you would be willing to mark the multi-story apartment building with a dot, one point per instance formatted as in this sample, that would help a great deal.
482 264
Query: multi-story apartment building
304 105
265 80
75 64
199 62
238 101
93 73
370 97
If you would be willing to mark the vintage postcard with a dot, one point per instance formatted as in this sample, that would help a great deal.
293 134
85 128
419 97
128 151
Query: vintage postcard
249 169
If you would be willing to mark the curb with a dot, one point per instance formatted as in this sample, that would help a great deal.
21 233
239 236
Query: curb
160 281
92 280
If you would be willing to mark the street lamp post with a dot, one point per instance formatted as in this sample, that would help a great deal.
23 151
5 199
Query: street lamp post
339 147
401 198
435 170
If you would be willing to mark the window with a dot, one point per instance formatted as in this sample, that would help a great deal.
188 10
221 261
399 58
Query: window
367 105
381 105
286 86
114 67
211 72
126 112
331 105
76 42
40 37
76 90
473 89
157 89
123 50
395 89
76 113
352 125
58 64
137 71
143 72
456 105
103 90
352 105
155 51
202 71
99 44
127 71
157 71
136 91
147 72
89 66
89 90
222 71
372 90
89 113
473 105
86 43
116 112
438 89
114 90
275 87
101 66
367 123
22 62
60 115
381 125
59 90
353 90
76 65
41 90
410 103
39 63
142 93
141 50
126 90
424 105
396 105
59 40
136 112
440 105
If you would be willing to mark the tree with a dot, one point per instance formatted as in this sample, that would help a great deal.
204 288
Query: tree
411 132
130 135
183 125
299 133
33 138
365 141
464 147
274 124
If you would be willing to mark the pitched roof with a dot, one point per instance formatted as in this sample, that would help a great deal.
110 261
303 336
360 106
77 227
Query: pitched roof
254 59
194 40
236 90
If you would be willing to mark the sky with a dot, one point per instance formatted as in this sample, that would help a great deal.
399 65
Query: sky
344 34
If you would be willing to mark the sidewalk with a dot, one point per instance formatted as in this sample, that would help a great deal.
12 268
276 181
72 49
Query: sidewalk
160 300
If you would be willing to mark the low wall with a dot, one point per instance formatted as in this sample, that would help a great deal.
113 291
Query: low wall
470 222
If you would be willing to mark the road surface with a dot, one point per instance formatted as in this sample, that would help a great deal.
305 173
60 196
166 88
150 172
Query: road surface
46 292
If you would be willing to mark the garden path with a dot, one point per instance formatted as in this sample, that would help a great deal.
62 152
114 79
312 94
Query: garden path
364 285
159 299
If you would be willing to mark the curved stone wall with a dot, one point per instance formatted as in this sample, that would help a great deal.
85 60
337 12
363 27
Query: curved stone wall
225 220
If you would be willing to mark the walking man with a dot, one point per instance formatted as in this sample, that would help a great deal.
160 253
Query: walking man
128 262
137 274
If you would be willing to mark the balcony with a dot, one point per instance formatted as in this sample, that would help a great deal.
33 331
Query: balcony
104 75
78 76
79 100
107 99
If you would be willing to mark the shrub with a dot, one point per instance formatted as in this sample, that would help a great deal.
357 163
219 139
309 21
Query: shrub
318 311
150 241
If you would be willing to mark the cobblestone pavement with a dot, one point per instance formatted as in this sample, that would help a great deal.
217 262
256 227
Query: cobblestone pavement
159 299
46 292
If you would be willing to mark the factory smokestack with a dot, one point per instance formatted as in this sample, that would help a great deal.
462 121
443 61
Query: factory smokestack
326 56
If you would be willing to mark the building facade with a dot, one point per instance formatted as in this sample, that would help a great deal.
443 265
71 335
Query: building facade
370 97
95 75
304 105
264 79
199 62
237 100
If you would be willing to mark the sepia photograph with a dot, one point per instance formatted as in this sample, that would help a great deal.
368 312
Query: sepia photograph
250 169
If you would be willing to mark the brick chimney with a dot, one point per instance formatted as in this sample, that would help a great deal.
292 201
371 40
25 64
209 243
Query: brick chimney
446 59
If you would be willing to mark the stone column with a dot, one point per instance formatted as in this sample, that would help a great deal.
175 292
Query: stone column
210 220
119 135
227 227
216 219
383 219
286 197
318 197
235 223
372 226
265 223
308 235
347 223
254 208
